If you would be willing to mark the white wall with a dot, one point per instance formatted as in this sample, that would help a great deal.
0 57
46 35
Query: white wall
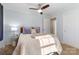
71 27
27 19
59 26
68 27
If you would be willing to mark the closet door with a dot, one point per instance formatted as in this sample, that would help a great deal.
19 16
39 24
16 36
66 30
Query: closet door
1 22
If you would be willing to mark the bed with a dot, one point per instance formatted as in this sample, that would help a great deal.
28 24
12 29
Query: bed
37 44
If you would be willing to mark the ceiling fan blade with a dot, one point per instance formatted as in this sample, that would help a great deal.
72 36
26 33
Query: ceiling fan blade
33 8
44 7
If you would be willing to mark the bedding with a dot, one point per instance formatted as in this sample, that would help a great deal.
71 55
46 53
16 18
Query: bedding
37 44
28 30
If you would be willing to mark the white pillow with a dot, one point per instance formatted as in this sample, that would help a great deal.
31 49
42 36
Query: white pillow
33 31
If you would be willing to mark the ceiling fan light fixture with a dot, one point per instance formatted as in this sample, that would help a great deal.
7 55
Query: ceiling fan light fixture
39 11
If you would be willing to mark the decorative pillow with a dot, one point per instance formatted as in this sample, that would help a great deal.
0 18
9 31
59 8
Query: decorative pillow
33 31
38 29
26 31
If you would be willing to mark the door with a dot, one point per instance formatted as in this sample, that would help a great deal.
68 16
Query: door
1 22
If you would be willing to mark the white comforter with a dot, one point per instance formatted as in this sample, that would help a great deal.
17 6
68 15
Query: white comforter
30 44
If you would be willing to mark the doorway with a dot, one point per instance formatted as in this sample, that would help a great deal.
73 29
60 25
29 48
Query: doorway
53 28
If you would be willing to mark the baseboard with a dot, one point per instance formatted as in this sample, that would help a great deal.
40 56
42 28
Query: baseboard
72 45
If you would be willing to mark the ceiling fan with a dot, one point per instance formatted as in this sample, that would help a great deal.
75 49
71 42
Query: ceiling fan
40 8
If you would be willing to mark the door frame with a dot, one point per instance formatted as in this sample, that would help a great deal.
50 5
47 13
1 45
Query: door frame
53 19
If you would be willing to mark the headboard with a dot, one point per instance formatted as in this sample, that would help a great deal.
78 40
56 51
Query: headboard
27 30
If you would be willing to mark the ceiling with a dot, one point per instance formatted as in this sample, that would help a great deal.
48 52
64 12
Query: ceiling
53 9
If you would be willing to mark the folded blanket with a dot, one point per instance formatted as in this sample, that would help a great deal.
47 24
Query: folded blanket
47 44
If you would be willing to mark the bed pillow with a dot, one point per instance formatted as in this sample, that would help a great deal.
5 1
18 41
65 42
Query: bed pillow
33 31
27 30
